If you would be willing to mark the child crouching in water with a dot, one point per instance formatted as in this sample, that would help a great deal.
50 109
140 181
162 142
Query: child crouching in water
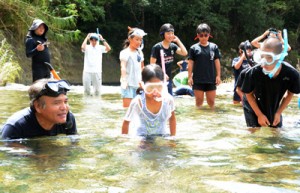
150 112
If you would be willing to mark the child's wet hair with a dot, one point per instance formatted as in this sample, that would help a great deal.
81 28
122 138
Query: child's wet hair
152 71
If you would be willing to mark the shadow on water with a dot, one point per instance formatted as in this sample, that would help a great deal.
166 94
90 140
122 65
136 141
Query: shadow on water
213 152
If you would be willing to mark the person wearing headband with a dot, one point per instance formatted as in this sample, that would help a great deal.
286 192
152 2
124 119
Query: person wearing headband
150 113
132 63
92 70
170 45
204 68
268 95
48 114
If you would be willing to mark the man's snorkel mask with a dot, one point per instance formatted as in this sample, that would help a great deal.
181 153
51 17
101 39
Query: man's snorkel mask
268 58
52 89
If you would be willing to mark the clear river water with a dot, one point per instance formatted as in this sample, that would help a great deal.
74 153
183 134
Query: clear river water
214 151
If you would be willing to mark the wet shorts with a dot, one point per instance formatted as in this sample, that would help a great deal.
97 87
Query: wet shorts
252 120
204 87
129 92
236 97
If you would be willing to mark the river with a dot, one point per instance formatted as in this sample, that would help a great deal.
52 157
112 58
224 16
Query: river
213 151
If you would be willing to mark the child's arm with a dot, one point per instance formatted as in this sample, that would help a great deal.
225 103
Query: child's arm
172 122
152 60
239 63
179 64
218 71
190 72
284 103
181 50
125 127
84 43
255 42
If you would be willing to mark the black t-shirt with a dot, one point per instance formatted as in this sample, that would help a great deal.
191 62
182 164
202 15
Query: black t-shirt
269 91
39 68
168 55
204 69
237 72
23 124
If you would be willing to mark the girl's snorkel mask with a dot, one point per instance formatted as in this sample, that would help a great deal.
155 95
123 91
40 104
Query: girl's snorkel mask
268 58
158 88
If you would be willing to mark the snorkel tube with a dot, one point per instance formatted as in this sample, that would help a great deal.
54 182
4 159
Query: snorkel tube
283 54
98 33
163 66
53 72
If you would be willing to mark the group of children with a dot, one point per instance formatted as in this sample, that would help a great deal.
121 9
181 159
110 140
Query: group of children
263 82
265 85
155 106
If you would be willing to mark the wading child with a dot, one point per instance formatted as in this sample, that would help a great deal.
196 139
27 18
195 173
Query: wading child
132 63
270 85
204 68
150 112
169 48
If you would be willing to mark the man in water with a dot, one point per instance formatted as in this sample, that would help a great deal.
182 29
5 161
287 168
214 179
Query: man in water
270 86
48 114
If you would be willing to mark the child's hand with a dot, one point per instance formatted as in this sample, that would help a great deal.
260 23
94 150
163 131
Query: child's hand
176 39
124 83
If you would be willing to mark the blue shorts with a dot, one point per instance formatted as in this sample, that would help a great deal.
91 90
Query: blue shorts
129 92
204 87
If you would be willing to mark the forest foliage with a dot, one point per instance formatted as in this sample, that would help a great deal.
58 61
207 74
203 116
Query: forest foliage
232 21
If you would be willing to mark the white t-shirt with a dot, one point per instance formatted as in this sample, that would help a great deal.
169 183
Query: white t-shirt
93 58
143 122
133 66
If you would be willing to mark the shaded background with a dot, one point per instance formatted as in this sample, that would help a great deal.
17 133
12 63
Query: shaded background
69 21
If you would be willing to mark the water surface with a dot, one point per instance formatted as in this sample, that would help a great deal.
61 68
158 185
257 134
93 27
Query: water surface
213 151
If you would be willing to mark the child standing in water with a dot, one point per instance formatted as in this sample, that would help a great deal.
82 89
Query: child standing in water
204 68
170 45
132 63
149 112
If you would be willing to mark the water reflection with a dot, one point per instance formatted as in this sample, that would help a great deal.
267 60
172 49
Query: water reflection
213 152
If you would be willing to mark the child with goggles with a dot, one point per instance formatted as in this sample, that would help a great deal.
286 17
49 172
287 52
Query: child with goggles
268 95
149 113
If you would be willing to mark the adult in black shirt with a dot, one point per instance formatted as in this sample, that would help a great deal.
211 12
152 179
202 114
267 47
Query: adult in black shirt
37 49
48 114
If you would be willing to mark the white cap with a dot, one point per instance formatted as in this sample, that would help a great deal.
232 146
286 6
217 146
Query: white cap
138 32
